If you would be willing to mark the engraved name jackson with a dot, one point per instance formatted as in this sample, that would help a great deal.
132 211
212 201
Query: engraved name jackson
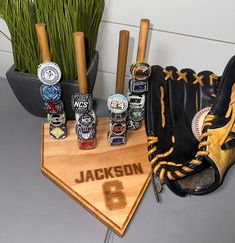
109 173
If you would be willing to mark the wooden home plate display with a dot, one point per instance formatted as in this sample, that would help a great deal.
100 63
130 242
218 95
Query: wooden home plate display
108 181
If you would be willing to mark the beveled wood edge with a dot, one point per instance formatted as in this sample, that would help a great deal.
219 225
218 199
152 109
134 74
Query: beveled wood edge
42 146
136 204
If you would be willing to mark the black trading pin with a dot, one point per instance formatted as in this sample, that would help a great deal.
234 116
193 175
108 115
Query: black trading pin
82 103
136 100
54 107
86 119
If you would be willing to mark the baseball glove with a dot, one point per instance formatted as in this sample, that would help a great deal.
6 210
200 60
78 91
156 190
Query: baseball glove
175 104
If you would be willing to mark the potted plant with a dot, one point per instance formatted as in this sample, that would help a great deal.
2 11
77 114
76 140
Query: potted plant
62 18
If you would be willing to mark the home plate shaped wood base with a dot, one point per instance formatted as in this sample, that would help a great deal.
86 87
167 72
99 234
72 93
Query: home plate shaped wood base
108 181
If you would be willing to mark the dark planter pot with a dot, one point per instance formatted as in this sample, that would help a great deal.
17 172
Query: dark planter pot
26 89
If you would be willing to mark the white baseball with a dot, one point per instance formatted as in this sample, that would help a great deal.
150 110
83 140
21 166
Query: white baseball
197 122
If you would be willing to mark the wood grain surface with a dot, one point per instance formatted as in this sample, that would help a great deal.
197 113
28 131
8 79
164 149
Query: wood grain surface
143 39
43 42
122 59
64 164
79 44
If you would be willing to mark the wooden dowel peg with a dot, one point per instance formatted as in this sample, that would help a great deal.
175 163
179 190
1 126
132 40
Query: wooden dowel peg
43 42
122 60
79 44
143 38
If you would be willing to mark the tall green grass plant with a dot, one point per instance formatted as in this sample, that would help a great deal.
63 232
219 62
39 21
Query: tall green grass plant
62 18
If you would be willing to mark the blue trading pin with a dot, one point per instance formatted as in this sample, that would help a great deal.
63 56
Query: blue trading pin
138 87
50 93
85 132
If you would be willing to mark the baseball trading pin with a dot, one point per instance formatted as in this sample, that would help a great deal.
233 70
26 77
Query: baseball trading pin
58 132
85 132
118 117
82 102
87 143
135 100
136 114
50 93
54 107
56 119
140 71
133 125
118 103
118 129
86 119
137 86
49 74
116 140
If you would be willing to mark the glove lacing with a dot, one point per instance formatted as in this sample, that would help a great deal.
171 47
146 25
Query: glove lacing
180 170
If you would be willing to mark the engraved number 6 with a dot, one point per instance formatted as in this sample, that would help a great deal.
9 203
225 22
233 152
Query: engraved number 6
114 197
